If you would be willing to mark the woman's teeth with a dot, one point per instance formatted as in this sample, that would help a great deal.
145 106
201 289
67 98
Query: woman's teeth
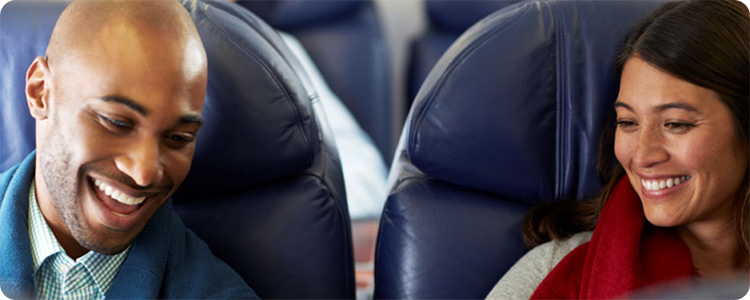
117 195
655 185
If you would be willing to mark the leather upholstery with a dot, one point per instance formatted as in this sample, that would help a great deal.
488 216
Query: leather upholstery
265 190
346 42
509 117
446 20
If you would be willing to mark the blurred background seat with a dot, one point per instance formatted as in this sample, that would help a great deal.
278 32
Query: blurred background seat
347 50
265 189
509 117
345 40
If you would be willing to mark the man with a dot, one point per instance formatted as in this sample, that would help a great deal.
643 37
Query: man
117 101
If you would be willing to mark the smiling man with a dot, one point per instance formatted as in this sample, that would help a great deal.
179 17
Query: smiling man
117 101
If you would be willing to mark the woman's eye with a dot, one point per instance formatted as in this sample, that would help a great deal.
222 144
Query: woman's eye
625 124
680 126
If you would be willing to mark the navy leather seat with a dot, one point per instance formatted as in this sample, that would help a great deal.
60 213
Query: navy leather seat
346 42
510 117
265 190
446 21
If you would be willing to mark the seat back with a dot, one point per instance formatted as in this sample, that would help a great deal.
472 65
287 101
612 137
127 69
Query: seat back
346 42
446 21
265 190
510 117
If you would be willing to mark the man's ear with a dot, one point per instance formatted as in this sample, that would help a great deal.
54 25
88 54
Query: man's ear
38 80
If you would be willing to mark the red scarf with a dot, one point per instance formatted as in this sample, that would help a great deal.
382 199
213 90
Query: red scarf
625 253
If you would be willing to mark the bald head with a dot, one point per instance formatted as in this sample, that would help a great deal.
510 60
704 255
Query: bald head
91 28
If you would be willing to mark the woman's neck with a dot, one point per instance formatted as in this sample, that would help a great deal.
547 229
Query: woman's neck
714 248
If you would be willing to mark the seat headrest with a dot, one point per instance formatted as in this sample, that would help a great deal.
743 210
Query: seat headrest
517 104
457 16
259 125
289 14
258 117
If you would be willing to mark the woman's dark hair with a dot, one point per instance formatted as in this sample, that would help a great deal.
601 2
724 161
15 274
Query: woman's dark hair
703 42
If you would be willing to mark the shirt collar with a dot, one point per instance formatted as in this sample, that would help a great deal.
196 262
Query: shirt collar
44 245
43 241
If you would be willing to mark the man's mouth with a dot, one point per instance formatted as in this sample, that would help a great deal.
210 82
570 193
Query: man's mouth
116 201
118 195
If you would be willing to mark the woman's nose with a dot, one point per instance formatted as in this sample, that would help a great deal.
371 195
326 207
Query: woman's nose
650 149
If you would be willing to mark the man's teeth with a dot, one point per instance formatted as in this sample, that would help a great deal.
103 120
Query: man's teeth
117 195
655 185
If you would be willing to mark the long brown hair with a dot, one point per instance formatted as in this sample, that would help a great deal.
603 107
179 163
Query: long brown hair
702 42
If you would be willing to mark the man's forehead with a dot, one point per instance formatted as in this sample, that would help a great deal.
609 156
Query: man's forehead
121 22
133 54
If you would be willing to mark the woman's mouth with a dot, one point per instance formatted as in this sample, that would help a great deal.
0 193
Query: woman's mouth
661 184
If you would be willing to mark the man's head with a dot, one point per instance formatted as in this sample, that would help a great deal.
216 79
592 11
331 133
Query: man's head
117 102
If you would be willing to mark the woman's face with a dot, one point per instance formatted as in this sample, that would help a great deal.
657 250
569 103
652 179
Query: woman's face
679 146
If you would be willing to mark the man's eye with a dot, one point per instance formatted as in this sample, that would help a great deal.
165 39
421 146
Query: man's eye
116 125
179 140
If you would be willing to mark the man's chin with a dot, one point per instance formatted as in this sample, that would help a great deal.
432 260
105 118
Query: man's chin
107 248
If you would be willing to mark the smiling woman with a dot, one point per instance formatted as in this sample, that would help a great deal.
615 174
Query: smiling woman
670 130
676 203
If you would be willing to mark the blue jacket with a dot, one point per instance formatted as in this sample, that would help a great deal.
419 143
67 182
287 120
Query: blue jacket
166 260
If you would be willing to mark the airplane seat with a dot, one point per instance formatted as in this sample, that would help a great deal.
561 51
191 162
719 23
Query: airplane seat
446 21
265 190
509 117
347 44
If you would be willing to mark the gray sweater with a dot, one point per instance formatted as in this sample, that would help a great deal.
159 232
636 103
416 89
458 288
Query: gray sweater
525 276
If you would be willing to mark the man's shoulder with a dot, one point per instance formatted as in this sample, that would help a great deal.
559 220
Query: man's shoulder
6 177
17 176
196 269
167 260
15 253
191 269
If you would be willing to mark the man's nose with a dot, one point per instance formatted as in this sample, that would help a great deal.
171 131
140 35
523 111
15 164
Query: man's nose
142 162
650 149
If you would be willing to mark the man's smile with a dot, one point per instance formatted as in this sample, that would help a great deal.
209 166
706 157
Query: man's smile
117 194
118 208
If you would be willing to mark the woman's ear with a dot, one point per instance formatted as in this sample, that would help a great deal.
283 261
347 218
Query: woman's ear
38 88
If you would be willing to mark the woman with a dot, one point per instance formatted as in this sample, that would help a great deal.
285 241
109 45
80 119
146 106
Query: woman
676 205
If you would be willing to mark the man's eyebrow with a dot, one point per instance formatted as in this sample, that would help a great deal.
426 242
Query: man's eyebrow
191 118
127 102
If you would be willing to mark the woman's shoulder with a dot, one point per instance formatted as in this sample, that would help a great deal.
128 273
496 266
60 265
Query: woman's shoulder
546 256
558 249
525 276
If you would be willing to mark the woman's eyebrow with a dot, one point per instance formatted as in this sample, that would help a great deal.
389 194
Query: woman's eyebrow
623 105
678 105
662 107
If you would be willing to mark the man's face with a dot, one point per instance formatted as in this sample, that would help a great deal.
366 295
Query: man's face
120 135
